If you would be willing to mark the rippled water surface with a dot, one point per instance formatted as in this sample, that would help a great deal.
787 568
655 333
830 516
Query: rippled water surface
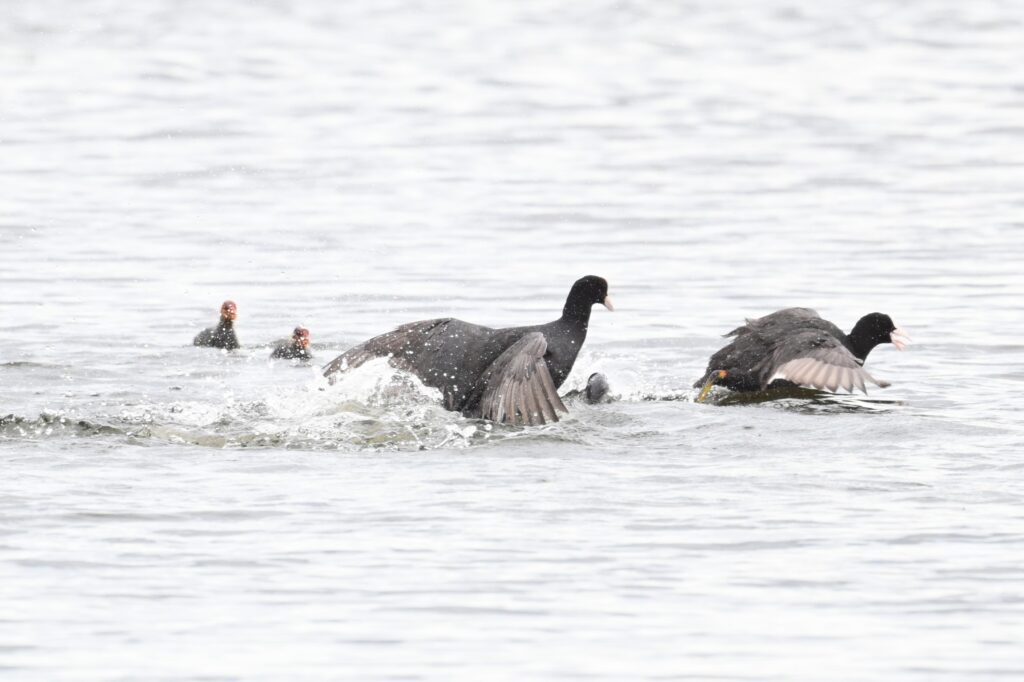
168 512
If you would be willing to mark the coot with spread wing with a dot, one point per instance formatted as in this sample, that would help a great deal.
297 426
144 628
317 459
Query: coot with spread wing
505 375
796 347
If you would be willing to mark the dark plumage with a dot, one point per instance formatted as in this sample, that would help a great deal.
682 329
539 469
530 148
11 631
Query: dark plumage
506 375
796 347
597 389
223 335
295 348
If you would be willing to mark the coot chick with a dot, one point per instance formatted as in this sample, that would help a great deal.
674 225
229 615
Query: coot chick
223 335
796 347
505 375
296 348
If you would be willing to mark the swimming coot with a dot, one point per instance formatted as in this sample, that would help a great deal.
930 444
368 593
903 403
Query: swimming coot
505 375
223 335
796 347
296 348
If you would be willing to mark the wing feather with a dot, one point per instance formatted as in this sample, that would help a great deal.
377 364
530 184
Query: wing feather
518 385
846 380
547 411
507 400
815 359
832 380
815 373
531 404
396 345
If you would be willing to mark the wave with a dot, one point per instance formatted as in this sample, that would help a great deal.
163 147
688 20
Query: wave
374 408
53 425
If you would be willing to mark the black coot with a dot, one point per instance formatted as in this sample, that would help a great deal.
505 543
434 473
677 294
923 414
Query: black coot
295 348
223 335
796 347
597 390
505 375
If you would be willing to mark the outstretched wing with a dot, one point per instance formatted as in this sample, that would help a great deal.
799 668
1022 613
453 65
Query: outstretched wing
400 346
518 386
816 360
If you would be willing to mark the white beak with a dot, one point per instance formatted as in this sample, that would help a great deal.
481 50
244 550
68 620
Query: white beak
899 338
607 303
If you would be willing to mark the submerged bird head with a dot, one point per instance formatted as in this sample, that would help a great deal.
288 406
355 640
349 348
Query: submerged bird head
877 328
597 388
228 311
585 293
301 337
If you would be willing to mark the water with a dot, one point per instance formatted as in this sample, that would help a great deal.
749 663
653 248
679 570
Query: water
179 513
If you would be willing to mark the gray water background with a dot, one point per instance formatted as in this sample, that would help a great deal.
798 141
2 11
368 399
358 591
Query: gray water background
168 512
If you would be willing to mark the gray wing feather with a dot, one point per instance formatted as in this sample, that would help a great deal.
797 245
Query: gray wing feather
519 388
394 345
816 360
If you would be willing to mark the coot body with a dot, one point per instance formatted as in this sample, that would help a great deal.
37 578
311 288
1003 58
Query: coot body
223 335
796 347
505 375
295 348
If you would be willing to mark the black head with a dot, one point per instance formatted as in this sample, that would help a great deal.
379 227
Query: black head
585 293
597 388
874 329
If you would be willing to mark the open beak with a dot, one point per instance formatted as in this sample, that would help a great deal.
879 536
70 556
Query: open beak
607 303
900 338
